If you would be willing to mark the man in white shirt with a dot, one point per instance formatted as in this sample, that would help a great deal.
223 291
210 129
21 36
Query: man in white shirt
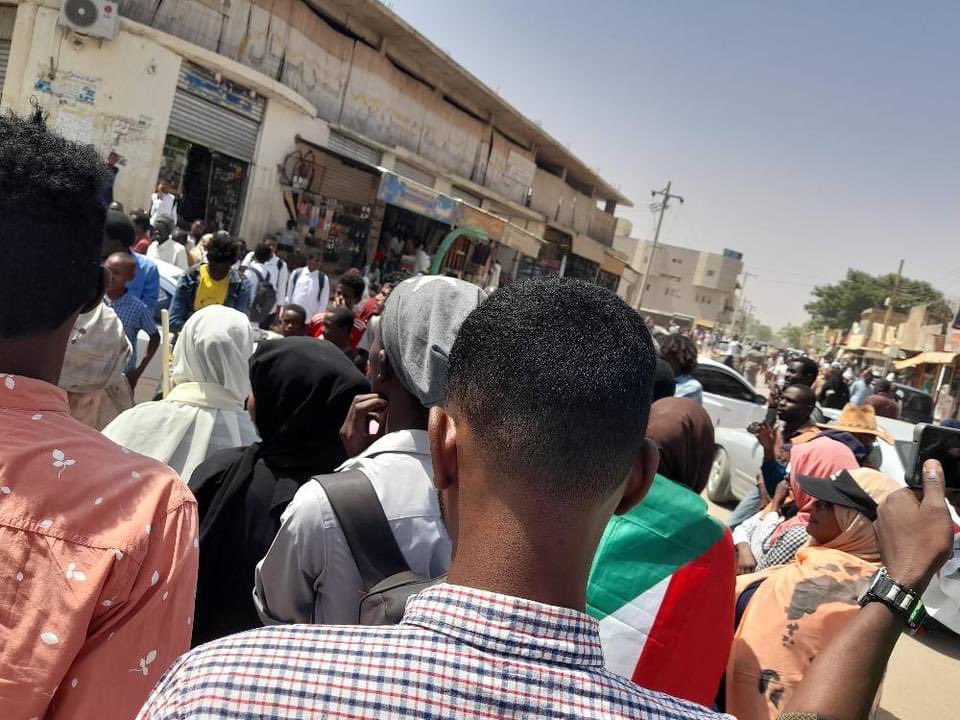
165 247
309 287
263 264
163 204
309 574
421 261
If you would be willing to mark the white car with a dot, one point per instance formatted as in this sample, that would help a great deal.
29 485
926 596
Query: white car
728 398
150 380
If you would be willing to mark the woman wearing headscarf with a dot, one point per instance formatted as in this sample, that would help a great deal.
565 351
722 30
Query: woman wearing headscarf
796 608
663 576
203 413
301 390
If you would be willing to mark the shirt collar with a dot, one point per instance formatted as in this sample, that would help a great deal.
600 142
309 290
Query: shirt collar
412 442
22 393
507 625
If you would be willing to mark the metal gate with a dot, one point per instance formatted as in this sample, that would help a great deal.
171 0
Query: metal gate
221 117
8 15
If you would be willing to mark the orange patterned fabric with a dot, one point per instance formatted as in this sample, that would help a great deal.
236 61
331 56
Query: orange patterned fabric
98 564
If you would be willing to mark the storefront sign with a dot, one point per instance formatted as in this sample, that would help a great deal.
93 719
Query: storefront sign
492 225
416 198
521 240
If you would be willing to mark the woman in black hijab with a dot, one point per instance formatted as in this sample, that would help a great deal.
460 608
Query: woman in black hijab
301 391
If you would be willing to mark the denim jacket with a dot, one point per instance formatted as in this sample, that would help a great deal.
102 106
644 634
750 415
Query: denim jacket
181 308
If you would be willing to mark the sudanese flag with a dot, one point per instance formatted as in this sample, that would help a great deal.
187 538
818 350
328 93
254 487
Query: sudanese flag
662 589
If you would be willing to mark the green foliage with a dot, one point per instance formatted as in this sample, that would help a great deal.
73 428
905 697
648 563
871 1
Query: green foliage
792 335
839 305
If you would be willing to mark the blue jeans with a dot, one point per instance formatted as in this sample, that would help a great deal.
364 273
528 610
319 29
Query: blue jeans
748 507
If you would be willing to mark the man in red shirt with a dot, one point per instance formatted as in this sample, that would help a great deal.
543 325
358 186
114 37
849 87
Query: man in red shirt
141 225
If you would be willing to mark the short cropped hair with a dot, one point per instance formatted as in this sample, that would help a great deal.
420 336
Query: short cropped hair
354 283
810 367
262 253
141 221
341 318
298 309
51 227
555 379
222 249
680 351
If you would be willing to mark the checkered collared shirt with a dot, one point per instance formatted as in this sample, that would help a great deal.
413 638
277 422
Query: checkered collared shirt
459 653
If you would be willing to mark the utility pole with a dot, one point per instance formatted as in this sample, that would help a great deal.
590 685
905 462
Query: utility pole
667 197
889 313
742 318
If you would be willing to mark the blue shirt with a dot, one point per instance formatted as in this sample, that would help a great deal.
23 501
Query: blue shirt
689 387
146 283
860 391
134 317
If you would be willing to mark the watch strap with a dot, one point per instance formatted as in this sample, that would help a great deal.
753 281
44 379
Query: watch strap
900 599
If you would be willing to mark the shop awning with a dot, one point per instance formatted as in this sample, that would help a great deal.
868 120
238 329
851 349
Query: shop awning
630 275
587 247
491 224
926 358
522 241
706 324
613 262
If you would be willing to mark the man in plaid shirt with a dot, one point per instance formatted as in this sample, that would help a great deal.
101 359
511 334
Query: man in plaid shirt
541 439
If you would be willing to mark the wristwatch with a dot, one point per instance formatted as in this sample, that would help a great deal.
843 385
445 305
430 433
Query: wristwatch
900 599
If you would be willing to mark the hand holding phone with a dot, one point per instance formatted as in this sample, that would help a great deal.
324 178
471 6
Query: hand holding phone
934 442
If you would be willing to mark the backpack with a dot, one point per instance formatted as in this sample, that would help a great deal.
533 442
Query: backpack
388 580
264 298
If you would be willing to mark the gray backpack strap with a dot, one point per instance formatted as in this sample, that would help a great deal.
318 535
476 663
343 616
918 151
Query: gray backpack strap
364 524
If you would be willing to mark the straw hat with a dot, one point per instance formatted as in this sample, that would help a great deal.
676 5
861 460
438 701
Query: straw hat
859 420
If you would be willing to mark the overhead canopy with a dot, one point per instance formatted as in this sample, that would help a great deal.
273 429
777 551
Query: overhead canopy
926 358
587 247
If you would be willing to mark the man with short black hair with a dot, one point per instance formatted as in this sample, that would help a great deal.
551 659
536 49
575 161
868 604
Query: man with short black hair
214 282
337 328
884 400
309 286
119 236
164 247
97 561
310 573
132 312
293 321
522 468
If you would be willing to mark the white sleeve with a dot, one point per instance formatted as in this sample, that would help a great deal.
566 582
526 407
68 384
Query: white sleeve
285 580
291 285
325 293
153 250
743 532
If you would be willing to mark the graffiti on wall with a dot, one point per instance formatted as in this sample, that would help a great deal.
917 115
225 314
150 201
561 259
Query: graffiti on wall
70 88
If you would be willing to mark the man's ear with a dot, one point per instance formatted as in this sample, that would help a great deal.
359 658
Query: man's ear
443 448
102 280
386 369
640 478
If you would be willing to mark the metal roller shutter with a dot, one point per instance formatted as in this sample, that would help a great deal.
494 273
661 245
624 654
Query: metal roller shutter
413 173
345 183
348 147
4 56
217 128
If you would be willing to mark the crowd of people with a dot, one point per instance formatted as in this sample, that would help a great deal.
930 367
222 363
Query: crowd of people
441 502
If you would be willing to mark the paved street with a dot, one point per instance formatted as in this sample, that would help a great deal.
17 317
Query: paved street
923 676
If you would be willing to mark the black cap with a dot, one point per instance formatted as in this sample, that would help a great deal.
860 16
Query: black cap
841 490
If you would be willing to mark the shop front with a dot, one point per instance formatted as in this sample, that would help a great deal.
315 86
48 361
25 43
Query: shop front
586 258
210 143
611 269
413 213
333 199
551 258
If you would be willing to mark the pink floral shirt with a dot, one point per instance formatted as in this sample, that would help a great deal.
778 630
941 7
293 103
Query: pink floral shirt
98 564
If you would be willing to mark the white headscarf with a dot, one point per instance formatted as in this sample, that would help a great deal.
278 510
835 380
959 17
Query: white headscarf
204 412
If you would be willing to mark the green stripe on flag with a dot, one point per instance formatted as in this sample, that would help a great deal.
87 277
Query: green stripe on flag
667 530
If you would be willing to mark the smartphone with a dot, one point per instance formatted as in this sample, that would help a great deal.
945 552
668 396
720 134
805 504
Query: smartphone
932 442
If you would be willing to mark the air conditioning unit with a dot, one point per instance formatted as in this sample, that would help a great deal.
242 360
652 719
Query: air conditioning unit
94 18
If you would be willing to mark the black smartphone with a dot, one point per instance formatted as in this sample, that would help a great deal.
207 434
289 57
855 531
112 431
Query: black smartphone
933 442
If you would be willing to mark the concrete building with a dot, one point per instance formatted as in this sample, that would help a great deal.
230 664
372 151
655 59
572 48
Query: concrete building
334 113
683 282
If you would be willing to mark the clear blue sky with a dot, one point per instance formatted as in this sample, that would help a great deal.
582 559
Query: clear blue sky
811 136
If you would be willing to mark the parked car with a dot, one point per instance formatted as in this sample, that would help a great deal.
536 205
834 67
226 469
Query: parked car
728 398
916 406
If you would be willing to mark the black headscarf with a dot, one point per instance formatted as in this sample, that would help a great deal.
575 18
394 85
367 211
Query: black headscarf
302 389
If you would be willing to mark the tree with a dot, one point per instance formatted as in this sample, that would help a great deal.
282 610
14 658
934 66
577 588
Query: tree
839 305
793 335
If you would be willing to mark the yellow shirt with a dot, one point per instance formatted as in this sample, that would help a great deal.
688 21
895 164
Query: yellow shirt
210 291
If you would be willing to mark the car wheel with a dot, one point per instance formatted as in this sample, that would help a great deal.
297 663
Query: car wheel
718 485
